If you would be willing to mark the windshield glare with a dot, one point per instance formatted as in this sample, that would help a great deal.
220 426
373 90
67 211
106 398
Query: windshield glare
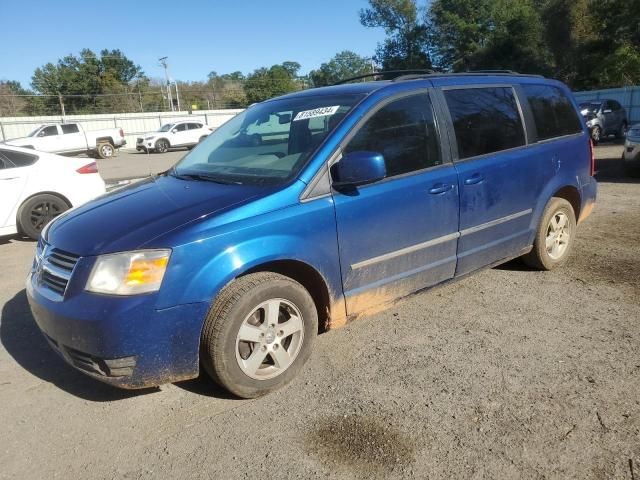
589 107
268 143
166 128
35 131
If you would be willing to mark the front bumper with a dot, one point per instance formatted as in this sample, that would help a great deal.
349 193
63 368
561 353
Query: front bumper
123 341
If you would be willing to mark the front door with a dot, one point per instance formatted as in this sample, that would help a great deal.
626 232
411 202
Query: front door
499 180
180 135
400 234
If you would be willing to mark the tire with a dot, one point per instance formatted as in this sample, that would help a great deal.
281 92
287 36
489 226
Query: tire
37 211
105 150
244 303
622 133
162 146
555 236
596 134
202 138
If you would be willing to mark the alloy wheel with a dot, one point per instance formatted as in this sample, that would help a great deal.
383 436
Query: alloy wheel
269 339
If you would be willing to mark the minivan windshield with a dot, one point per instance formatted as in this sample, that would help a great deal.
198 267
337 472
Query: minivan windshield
166 128
268 143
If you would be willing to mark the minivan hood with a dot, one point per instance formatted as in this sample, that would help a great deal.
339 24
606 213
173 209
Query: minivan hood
130 217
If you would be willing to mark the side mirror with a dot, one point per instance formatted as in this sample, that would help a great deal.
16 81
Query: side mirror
358 168
175 130
41 133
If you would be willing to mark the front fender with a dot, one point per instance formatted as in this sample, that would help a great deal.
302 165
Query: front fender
305 232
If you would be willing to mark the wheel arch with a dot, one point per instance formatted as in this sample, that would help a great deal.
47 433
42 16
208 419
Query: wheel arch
305 275
161 138
571 195
100 139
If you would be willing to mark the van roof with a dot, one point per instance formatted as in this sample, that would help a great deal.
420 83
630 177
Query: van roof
438 79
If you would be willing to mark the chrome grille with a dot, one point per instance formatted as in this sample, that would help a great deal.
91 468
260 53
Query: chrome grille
53 269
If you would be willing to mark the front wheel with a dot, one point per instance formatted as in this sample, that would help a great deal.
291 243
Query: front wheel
37 211
596 134
259 334
162 146
554 237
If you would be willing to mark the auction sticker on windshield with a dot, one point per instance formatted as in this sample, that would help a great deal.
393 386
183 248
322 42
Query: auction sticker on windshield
316 112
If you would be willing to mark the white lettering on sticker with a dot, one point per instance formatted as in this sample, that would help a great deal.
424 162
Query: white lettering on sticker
316 112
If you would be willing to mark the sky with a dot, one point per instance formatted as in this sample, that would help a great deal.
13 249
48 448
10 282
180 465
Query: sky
198 36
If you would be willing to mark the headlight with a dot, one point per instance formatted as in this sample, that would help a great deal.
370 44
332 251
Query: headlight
129 273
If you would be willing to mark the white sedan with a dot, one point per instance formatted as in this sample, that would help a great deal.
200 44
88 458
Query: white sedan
177 134
35 187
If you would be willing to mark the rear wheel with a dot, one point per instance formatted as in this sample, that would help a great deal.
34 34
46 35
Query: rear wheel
37 211
258 334
162 146
106 150
554 237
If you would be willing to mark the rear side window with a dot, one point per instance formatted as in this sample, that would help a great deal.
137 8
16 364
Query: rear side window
181 127
404 133
69 128
195 126
485 120
553 113
18 159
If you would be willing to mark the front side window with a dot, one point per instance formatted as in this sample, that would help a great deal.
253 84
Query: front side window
404 133
553 113
485 120
69 128
48 131
181 127
267 143
166 127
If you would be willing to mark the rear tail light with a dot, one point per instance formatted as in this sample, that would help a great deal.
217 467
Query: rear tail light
593 158
89 168
121 133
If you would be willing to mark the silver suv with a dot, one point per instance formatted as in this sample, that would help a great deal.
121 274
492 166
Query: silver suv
604 117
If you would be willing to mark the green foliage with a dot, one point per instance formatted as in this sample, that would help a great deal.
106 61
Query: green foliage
343 65
406 46
80 79
265 83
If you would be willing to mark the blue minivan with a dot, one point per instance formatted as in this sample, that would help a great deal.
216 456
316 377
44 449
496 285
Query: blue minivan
304 212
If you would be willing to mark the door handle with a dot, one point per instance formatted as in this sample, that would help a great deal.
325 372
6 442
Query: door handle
439 188
474 179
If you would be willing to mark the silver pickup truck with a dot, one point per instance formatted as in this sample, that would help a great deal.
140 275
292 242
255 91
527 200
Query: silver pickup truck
70 138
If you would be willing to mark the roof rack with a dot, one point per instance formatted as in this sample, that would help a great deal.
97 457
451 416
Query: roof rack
463 74
420 72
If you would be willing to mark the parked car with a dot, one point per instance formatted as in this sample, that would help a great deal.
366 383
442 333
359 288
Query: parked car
604 118
36 187
172 135
631 152
70 138
234 259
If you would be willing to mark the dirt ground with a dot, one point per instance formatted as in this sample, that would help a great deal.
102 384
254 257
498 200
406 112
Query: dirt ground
510 373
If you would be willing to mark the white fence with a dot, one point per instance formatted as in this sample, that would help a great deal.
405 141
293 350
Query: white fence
133 124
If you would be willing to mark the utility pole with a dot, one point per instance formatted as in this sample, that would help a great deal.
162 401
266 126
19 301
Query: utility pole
163 62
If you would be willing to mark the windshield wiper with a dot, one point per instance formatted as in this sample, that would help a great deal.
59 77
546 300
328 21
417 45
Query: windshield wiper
202 177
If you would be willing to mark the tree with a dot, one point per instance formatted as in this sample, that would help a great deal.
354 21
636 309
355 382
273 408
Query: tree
343 65
407 42
265 83
12 99
75 82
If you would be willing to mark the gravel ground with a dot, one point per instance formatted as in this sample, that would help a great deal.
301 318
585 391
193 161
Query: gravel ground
510 373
